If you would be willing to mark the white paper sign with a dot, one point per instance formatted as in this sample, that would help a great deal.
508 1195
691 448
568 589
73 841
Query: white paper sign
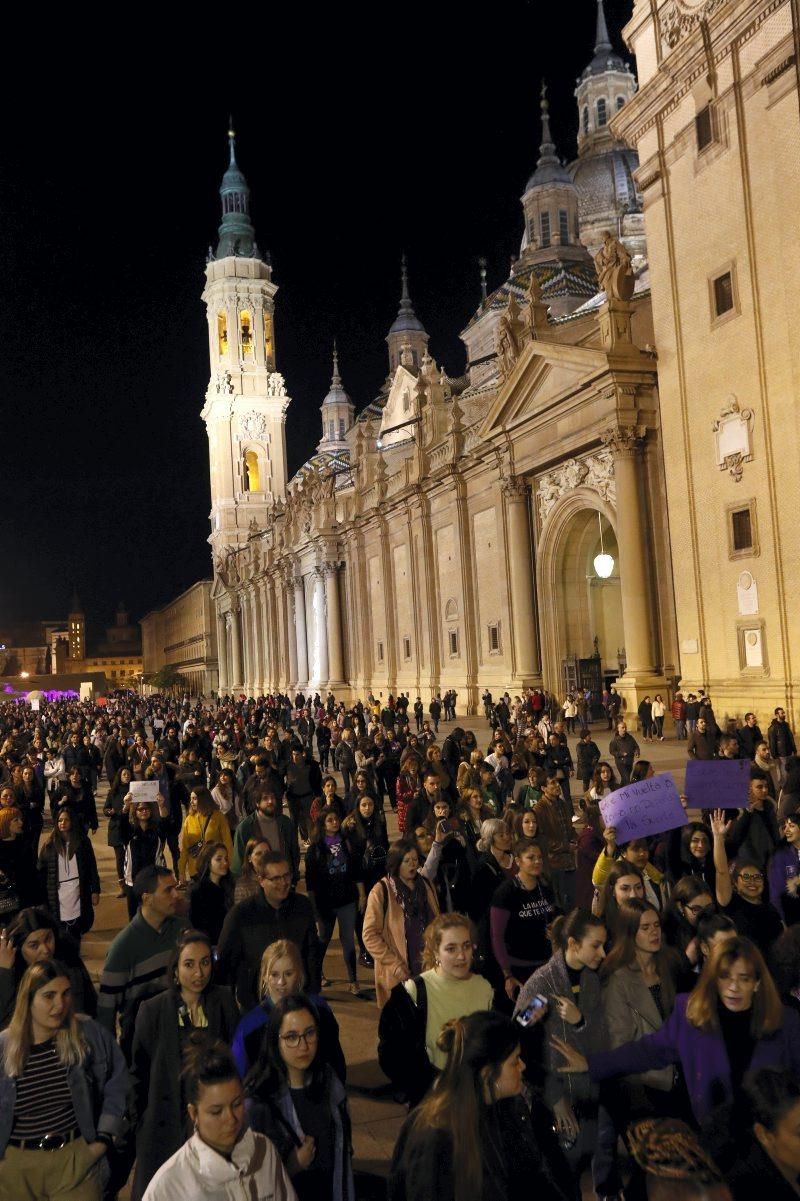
144 791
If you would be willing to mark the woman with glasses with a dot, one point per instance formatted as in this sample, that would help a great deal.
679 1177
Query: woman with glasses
740 893
299 1103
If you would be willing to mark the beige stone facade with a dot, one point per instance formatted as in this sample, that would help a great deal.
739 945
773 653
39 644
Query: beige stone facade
717 128
183 635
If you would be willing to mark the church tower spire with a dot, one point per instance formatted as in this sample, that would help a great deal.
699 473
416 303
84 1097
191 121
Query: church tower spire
246 401
407 331
337 411
602 42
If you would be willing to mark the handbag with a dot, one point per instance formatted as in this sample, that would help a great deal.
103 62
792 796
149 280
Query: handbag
194 850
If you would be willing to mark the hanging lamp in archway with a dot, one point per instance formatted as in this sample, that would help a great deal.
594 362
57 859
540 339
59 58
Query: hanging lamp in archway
603 563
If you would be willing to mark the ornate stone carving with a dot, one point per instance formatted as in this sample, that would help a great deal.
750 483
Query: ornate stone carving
514 488
331 567
596 472
223 384
510 331
624 439
252 425
536 313
733 431
276 385
680 17
614 269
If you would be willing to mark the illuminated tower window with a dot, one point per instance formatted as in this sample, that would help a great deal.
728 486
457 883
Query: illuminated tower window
269 345
222 333
252 474
246 329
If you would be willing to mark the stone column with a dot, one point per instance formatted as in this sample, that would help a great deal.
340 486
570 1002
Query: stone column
222 652
247 641
258 640
291 638
236 650
320 629
626 444
523 598
266 647
334 625
300 630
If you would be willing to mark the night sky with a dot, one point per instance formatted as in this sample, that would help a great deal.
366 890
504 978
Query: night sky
397 127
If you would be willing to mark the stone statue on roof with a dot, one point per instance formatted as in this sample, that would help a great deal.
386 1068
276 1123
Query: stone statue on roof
509 336
614 269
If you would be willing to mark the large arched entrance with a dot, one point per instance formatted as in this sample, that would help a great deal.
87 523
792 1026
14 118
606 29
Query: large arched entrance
580 613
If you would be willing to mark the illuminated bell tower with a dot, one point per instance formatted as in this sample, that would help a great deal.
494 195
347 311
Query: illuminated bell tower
246 401
76 627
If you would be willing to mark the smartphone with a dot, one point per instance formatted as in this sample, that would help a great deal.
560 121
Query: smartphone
533 1011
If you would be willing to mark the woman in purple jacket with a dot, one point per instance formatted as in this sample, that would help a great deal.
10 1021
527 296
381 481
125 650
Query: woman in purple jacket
732 1021
783 872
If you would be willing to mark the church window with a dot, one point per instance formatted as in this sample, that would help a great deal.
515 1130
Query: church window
330 430
742 529
585 119
380 652
406 648
451 610
563 226
723 294
620 102
544 219
251 472
602 111
269 347
341 428
246 328
494 639
222 333
704 127
452 640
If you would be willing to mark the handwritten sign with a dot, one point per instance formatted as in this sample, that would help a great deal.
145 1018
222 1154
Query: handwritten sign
718 783
644 808
144 791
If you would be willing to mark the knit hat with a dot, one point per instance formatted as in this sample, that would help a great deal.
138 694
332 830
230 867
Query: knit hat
7 815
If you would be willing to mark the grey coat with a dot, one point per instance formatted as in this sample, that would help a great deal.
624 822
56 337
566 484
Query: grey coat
631 1013
552 980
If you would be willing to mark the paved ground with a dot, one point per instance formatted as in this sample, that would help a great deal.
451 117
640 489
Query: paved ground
376 1118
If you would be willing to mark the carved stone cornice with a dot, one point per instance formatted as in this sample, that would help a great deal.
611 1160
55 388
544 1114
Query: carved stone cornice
680 17
624 440
330 567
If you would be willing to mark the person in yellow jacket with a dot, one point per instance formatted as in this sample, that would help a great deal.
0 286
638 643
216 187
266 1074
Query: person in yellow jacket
203 823
636 852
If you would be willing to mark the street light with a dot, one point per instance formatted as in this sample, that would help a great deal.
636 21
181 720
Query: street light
23 675
603 563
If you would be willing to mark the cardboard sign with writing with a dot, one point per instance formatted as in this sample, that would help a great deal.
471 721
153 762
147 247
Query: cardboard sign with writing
144 791
644 808
718 783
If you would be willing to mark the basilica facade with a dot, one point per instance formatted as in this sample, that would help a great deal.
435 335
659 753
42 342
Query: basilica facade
517 524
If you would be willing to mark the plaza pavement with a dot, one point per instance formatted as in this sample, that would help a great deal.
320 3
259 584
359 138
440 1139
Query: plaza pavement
375 1116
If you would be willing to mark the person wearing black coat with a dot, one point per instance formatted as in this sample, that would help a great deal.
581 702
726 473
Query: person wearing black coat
67 859
164 1024
749 736
29 799
113 809
212 891
76 793
334 886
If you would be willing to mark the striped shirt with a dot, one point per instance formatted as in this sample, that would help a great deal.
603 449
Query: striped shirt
44 1102
136 968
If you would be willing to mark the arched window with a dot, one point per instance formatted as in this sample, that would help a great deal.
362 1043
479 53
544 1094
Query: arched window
251 472
563 227
585 118
222 333
620 102
269 347
602 112
544 219
341 428
246 329
451 610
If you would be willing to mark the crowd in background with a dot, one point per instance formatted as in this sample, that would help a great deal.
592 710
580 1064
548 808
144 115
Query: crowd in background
551 1000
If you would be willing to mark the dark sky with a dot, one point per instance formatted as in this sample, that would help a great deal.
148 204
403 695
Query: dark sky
362 133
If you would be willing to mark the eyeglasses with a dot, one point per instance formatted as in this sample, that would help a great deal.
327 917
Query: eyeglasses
278 879
293 1039
751 877
695 909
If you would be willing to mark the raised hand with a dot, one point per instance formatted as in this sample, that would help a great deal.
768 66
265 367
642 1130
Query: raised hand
575 1062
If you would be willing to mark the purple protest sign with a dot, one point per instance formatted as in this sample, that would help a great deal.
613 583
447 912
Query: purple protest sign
644 808
718 783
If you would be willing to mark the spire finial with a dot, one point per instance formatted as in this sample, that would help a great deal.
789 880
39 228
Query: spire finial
232 139
544 106
602 40
404 295
482 266
336 381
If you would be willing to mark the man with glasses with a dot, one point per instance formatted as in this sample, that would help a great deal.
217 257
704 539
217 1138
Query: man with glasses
273 913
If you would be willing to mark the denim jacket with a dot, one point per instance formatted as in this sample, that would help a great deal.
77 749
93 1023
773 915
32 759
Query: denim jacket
99 1086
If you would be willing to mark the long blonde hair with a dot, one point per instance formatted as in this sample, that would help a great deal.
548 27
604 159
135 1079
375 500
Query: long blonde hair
70 1044
284 948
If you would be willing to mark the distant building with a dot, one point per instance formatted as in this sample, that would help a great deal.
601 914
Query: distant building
182 635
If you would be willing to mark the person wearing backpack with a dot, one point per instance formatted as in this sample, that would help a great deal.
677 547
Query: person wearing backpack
419 1008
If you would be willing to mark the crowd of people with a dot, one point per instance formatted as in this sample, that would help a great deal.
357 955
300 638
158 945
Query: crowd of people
551 1000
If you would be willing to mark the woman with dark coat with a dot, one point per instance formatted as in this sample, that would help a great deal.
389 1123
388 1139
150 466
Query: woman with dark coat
334 886
163 1026
366 829
113 810
68 876
145 834
212 891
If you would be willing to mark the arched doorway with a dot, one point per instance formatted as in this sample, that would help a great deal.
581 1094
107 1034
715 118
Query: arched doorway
576 605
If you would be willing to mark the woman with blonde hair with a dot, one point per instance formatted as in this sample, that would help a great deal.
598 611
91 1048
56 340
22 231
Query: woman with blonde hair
731 1022
63 1089
282 975
419 1009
